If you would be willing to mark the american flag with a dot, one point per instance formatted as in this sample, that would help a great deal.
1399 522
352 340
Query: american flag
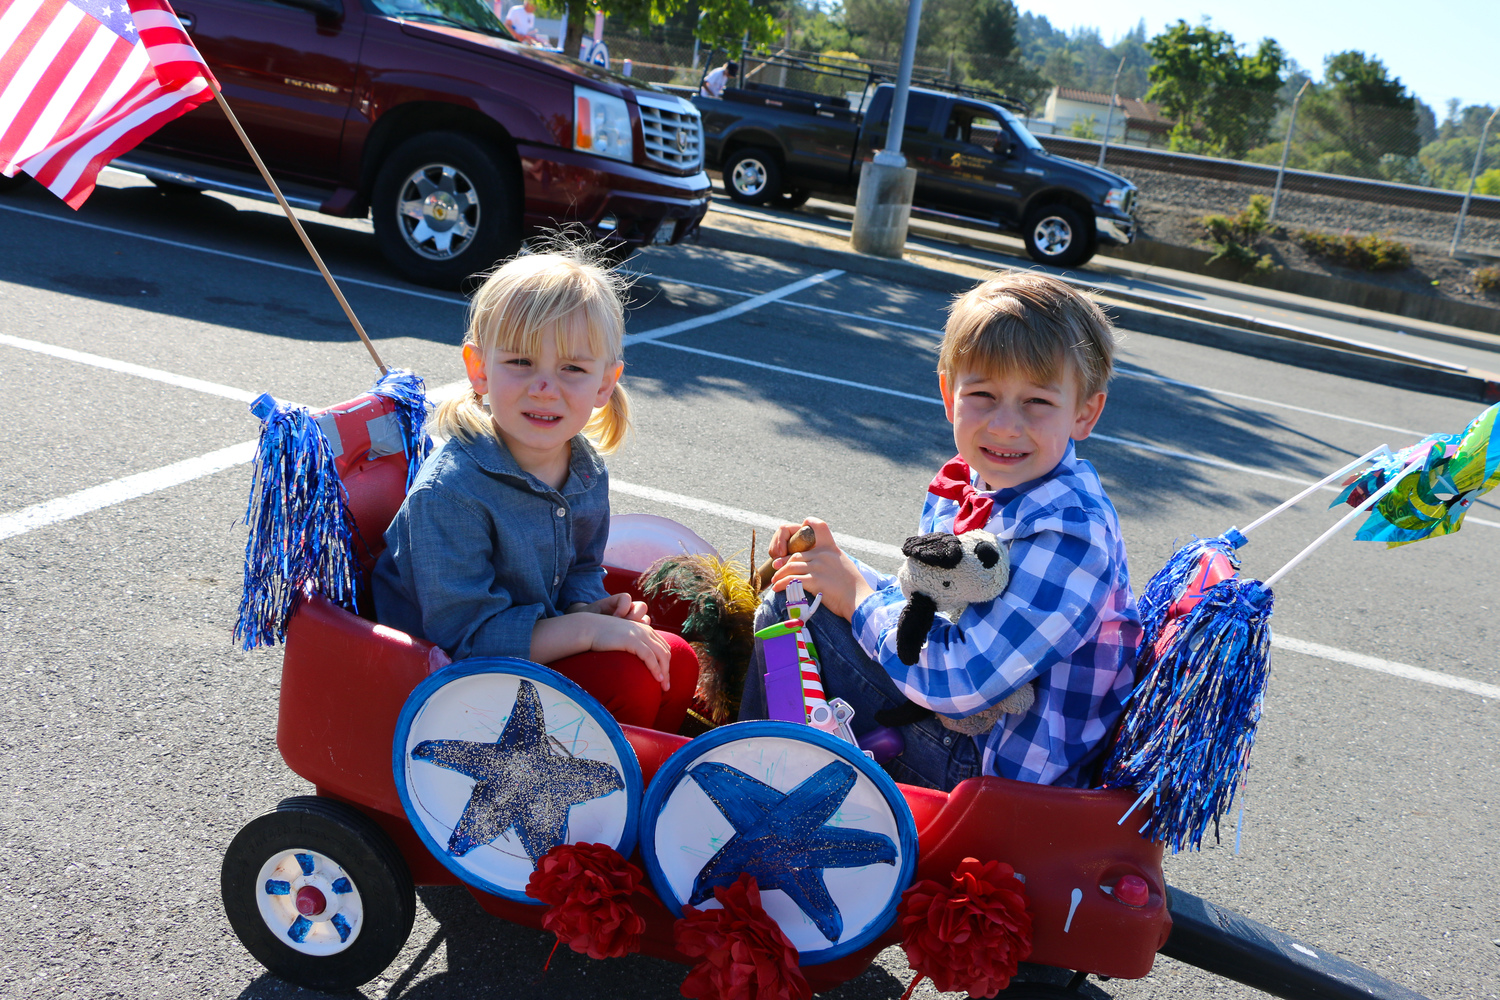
82 81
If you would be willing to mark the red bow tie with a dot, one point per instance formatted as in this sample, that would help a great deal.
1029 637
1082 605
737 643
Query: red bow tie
953 482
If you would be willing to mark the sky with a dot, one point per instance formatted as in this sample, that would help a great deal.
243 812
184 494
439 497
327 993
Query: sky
1440 49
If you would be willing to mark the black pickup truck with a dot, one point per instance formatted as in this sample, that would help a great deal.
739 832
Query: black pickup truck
975 162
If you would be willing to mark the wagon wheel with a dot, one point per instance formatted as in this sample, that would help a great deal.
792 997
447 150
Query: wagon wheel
318 894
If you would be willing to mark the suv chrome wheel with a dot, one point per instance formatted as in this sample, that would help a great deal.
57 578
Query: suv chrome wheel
446 206
438 211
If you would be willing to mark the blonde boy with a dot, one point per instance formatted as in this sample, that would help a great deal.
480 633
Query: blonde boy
1023 369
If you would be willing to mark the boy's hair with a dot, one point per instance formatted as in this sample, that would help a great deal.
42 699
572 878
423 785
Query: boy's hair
1030 323
556 293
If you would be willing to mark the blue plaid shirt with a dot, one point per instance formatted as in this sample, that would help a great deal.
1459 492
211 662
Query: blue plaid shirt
1067 620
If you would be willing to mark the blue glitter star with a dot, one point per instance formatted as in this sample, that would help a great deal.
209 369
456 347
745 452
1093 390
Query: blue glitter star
783 840
519 782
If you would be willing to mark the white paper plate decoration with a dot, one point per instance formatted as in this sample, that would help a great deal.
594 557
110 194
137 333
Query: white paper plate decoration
638 540
826 833
498 760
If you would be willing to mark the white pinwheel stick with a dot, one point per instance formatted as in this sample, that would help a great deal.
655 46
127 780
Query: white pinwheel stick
1381 452
1370 501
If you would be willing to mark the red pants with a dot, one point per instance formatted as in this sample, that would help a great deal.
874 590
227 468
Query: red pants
627 690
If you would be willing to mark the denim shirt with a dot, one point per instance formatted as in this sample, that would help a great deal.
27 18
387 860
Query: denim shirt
481 550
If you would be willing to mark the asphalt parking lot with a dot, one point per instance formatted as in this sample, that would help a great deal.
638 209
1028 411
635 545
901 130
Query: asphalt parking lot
139 738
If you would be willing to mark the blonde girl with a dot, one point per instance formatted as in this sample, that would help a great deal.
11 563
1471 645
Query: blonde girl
498 547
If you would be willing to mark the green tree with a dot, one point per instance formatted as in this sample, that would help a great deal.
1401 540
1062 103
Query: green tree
1362 115
1223 99
723 22
1084 127
878 25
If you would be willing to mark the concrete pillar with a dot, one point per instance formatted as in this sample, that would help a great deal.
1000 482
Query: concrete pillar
883 206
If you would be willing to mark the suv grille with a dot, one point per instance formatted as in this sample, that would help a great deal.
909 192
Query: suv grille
674 135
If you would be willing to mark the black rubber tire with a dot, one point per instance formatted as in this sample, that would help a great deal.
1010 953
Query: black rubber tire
1038 991
793 198
11 183
488 188
1074 248
752 176
374 865
174 190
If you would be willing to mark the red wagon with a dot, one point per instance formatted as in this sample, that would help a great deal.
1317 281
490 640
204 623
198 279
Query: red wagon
321 891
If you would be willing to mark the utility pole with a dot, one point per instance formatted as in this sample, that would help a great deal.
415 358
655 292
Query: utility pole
1458 230
882 208
1109 123
1286 150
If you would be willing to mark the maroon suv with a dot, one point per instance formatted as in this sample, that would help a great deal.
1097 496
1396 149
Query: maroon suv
426 112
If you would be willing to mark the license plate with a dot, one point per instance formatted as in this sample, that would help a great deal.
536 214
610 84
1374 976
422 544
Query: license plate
664 232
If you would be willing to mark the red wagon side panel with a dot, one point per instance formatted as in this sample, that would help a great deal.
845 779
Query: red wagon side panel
343 682
1070 848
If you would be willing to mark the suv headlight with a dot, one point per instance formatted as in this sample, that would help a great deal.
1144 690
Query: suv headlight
601 125
1119 198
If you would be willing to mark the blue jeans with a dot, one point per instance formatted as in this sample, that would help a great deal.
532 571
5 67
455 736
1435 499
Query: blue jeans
935 757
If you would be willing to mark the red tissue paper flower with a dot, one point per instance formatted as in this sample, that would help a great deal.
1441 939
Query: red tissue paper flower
745 954
970 935
587 888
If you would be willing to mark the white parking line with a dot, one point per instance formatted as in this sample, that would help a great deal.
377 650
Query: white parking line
851 542
737 309
1150 377
800 374
141 484
343 280
242 396
126 368
1217 463
128 488
801 305
1378 665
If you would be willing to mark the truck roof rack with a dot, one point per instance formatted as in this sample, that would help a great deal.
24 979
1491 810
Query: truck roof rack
845 74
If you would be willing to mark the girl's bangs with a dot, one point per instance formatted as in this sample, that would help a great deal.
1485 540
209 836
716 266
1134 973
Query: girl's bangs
579 333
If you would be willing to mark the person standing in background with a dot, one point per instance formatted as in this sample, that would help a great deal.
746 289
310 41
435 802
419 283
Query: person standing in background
521 20
716 80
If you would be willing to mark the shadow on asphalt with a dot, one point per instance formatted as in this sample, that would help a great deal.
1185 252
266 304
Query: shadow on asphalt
905 432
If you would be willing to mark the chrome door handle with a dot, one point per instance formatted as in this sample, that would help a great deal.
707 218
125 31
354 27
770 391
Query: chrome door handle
187 20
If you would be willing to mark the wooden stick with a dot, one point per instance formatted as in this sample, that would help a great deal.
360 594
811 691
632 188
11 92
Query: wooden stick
801 541
322 268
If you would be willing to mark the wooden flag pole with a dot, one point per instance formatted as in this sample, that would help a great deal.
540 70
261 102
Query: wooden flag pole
322 268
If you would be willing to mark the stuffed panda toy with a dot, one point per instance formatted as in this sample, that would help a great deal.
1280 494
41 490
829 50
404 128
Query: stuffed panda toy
943 574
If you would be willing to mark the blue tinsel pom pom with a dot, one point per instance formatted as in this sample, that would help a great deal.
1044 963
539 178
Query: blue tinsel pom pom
1185 740
1169 584
300 529
408 392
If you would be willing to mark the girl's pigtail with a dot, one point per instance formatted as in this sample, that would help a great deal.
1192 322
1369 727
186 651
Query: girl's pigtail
462 416
610 423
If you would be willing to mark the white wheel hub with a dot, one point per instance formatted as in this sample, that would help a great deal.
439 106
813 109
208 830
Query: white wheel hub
749 177
309 902
438 211
1053 235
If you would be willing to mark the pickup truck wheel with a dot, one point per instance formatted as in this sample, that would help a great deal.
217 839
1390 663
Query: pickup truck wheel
443 209
752 176
1057 235
794 198
174 190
